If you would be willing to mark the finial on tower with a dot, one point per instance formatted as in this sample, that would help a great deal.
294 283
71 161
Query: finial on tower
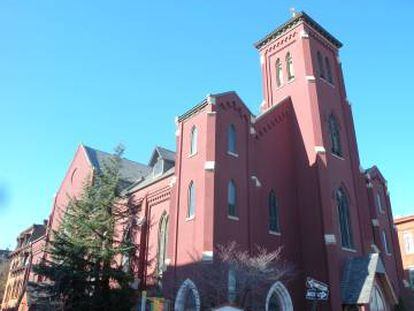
293 12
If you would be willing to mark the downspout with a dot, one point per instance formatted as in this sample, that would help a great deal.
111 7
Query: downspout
142 246
249 206
177 205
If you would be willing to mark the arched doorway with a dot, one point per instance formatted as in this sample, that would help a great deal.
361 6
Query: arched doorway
278 298
188 298
377 301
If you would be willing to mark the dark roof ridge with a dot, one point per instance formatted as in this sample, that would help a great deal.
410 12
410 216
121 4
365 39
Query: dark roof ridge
296 19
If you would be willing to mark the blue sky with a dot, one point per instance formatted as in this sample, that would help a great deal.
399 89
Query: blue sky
104 72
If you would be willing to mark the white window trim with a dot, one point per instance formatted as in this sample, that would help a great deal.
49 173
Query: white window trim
276 233
232 154
352 250
190 218
233 217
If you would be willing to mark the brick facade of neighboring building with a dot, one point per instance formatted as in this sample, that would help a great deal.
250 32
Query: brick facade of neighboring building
288 177
405 227
29 251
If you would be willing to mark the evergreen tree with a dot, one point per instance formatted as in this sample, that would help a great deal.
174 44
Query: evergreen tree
81 269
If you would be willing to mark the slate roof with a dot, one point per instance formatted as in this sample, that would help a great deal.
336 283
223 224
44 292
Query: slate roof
131 171
296 19
165 154
359 277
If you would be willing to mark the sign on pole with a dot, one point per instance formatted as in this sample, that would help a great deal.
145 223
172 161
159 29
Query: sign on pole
317 290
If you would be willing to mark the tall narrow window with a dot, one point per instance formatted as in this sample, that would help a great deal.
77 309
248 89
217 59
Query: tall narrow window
320 65
344 219
411 277
385 243
193 140
328 70
408 242
379 202
279 73
191 200
334 136
162 243
289 66
273 213
232 139
231 199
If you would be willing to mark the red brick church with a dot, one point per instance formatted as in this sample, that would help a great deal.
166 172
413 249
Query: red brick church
289 176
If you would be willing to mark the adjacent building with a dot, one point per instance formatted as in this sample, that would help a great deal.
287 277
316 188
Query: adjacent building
28 252
288 177
405 227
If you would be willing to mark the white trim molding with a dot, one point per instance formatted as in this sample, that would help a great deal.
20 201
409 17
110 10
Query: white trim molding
375 222
210 166
320 149
330 239
211 99
257 181
182 294
310 78
283 297
207 256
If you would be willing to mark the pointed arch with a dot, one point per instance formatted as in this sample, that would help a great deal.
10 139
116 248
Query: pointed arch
278 298
188 297
162 243
273 206
335 136
279 73
345 227
289 67
193 140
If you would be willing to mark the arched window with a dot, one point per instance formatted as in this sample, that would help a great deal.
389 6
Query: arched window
232 139
385 243
377 302
289 66
162 243
320 65
191 200
279 73
273 212
232 199
344 219
328 70
188 297
334 136
126 257
278 298
193 140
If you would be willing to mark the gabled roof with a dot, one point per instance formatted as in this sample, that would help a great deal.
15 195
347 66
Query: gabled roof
296 19
130 170
163 153
359 278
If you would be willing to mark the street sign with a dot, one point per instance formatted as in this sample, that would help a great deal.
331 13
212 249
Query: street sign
312 283
316 290
314 294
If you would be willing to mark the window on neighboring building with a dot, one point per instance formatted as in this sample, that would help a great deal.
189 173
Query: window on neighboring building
408 242
162 243
193 140
328 70
344 219
279 73
231 199
191 200
289 66
320 65
385 243
334 135
232 139
273 212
